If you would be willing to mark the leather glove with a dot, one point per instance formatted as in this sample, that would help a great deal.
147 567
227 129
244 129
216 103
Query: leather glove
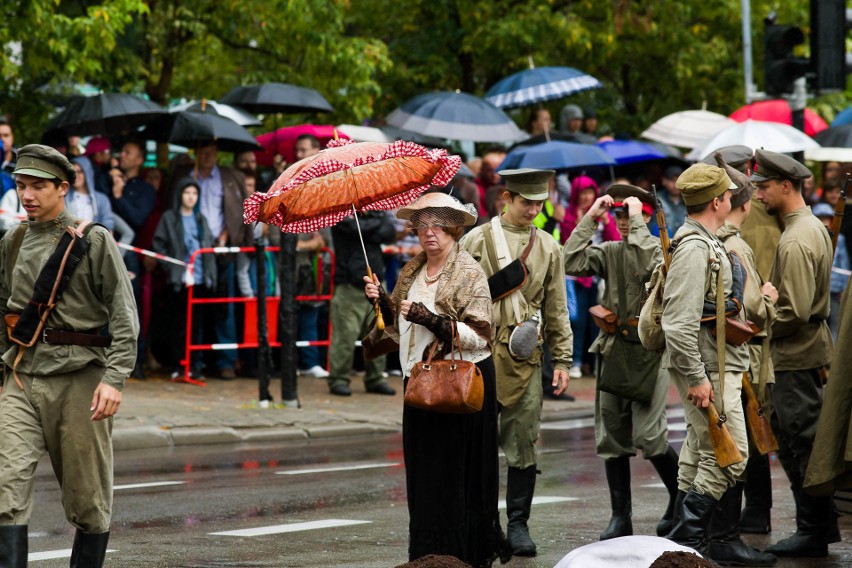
385 306
441 326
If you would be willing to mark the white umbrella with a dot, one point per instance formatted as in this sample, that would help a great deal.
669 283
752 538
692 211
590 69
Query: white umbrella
756 134
687 128
364 133
238 115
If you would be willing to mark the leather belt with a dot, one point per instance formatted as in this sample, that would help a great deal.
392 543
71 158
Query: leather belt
62 337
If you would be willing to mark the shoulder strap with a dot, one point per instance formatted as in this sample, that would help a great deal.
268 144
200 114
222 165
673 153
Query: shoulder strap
490 251
529 246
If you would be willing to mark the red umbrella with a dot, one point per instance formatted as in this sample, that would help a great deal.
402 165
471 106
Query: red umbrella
778 111
323 189
283 141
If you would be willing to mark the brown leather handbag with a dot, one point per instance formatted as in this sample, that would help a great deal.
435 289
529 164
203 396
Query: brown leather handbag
451 386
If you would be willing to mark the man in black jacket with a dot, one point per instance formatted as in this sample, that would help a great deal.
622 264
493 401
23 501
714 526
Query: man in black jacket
350 314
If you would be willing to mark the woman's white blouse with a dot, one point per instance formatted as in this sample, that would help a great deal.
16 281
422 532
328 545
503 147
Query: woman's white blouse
414 339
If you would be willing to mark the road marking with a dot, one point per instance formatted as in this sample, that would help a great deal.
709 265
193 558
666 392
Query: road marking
151 484
338 468
292 527
52 554
654 485
541 501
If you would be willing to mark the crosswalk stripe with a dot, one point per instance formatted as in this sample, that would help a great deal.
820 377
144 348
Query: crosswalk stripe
338 468
292 527
52 554
151 484
544 500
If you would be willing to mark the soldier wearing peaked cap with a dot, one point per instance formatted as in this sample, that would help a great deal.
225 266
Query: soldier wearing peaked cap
519 305
801 344
68 379
691 355
726 545
623 420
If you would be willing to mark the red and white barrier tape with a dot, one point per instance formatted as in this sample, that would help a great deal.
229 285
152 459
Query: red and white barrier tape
152 254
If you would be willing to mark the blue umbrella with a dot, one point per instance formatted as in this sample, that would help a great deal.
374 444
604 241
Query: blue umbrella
556 155
456 116
843 117
539 84
629 151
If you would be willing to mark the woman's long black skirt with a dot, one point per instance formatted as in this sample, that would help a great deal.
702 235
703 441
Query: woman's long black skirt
451 471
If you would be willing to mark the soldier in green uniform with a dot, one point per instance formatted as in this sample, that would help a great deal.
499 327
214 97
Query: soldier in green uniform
67 386
623 423
691 355
759 297
761 232
519 389
801 344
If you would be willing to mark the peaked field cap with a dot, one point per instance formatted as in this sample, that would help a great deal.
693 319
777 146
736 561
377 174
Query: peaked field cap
621 191
772 165
701 183
736 156
44 162
744 190
447 207
528 183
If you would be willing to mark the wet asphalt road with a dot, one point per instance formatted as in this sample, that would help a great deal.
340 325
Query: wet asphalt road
344 503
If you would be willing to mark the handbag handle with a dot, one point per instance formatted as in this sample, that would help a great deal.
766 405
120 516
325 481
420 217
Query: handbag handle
455 342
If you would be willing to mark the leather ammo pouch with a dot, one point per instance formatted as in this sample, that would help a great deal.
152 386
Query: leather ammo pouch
737 331
604 318
512 276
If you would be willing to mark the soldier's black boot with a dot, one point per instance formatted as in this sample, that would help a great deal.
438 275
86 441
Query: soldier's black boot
89 550
666 466
755 517
816 527
692 528
618 479
520 486
678 507
13 546
726 547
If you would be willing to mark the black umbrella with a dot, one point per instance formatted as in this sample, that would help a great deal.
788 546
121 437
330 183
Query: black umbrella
190 128
835 137
277 98
576 137
106 114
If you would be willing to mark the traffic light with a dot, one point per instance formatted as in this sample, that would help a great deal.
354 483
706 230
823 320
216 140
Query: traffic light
781 68
830 23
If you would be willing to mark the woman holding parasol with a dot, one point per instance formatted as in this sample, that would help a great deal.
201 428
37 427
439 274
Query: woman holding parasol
450 459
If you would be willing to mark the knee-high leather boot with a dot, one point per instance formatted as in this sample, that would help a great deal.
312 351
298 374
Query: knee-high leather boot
816 527
13 546
666 466
520 486
89 550
693 521
618 479
726 547
755 517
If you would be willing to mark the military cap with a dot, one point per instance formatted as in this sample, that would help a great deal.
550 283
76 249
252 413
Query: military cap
44 162
823 210
772 165
744 190
736 156
621 191
528 183
701 183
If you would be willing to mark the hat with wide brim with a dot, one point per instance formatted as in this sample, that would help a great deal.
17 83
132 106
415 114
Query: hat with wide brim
445 207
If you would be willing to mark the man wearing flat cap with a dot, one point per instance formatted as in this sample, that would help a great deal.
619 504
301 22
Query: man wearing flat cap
68 381
801 344
623 420
541 297
698 261
759 297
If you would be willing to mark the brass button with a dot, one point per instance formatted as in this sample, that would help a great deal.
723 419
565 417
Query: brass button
624 332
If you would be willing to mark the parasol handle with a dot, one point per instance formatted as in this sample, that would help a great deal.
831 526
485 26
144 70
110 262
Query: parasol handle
380 320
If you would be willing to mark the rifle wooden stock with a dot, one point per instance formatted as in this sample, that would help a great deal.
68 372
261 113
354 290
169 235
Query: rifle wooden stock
839 211
665 242
757 421
724 447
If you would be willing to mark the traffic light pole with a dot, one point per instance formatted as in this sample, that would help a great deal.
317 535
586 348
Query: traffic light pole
797 104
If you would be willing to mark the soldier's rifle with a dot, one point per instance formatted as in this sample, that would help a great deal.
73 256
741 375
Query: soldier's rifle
665 242
757 421
839 211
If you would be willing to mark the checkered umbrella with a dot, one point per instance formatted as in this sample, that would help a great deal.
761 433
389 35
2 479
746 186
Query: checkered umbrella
539 84
323 189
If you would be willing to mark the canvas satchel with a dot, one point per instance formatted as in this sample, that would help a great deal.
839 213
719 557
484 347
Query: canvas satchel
629 370
451 386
